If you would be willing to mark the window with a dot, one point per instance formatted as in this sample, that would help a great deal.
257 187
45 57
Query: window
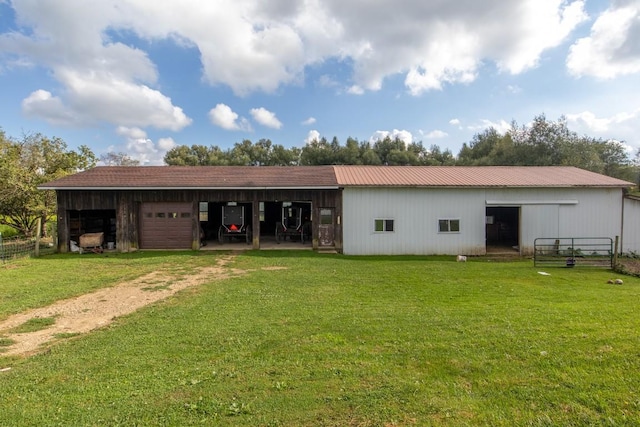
449 225
203 208
326 216
383 225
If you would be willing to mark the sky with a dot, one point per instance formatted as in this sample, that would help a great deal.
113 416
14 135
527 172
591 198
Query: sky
141 77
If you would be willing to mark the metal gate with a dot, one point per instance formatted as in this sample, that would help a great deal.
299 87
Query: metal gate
574 251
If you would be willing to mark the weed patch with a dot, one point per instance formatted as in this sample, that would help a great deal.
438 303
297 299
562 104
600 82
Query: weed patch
34 325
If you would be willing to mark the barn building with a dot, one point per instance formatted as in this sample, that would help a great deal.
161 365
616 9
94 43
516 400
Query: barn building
356 210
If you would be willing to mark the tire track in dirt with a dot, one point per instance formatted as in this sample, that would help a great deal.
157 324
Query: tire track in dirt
97 309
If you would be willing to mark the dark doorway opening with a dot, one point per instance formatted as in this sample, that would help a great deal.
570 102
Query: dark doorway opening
93 221
503 227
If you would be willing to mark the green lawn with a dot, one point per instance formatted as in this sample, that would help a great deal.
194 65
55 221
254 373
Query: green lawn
332 340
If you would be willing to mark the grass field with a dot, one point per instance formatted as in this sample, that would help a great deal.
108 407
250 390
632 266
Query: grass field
305 339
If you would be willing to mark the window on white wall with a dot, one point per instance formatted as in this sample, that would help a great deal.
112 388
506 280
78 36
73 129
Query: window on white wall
381 225
449 225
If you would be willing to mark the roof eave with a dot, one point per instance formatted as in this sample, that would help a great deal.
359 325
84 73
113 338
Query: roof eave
155 188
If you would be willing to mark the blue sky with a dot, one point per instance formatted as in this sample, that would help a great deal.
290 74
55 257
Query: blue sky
141 77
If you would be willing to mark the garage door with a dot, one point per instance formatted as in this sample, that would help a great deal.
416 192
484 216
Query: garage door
166 226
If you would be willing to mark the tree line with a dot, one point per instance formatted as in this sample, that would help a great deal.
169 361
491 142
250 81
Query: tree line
542 143
386 151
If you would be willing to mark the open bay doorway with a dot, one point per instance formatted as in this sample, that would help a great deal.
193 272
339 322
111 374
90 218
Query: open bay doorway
503 229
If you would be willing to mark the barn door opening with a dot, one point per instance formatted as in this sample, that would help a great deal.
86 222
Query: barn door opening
502 228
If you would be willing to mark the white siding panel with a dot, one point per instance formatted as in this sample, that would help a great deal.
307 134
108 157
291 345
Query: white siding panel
537 221
599 214
544 212
631 231
415 213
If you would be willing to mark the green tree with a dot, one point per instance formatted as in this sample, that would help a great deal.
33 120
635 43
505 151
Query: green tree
547 143
24 165
318 152
182 155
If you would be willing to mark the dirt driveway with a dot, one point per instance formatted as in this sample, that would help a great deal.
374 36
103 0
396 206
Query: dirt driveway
97 309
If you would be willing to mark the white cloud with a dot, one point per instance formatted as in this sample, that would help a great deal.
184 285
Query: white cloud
265 118
166 144
355 90
313 135
328 81
100 80
624 124
454 122
436 134
612 48
501 126
131 133
403 135
139 147
42 103
223 116
309 121
253 45
102 97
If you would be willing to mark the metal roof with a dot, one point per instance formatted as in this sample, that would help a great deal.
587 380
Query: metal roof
472 176
327 177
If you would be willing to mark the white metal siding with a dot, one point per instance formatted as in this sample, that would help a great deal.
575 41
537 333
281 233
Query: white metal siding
631 232
544 212
415 213
537 221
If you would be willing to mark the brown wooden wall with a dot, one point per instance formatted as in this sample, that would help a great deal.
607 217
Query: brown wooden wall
126 204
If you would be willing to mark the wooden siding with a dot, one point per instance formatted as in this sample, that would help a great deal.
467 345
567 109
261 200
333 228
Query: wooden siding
127 207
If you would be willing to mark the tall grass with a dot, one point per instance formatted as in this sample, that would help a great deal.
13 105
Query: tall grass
309 339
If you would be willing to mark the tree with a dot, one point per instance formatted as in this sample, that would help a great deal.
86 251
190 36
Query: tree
118 159
317 153
24 165
547 143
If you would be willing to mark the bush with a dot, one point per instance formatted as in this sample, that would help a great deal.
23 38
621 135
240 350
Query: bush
8 232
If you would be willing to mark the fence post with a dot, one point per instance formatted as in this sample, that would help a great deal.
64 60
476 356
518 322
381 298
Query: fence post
38 233
1 249
615 253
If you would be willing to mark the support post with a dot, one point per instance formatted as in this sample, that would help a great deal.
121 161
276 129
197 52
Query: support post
38 235
255 223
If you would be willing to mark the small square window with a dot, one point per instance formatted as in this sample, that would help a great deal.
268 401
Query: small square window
383 225
449 225
160 215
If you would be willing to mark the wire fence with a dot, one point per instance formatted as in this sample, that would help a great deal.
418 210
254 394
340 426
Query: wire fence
20 247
